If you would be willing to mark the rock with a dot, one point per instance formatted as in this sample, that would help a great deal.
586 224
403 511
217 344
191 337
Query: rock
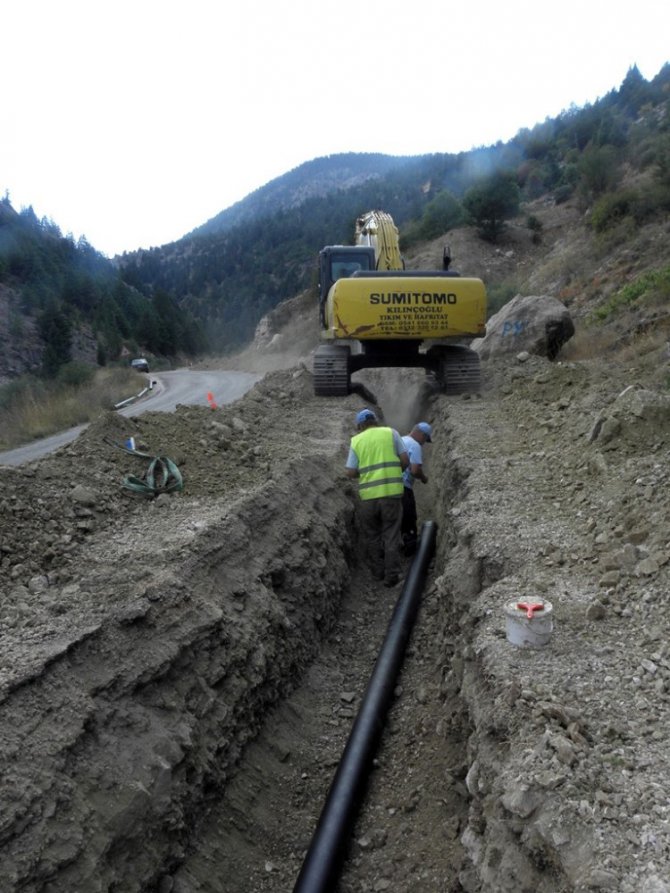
596 611
84 496
521 799
600 879
534 325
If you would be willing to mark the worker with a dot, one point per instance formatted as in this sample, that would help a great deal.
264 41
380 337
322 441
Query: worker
413 442
377 458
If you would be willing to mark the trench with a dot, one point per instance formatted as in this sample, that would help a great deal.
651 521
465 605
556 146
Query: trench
256 830
174 716
256 836
202 714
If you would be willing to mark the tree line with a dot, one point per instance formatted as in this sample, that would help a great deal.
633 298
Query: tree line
67 285
230 277
207 291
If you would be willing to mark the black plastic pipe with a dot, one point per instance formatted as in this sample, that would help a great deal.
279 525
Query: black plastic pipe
322 866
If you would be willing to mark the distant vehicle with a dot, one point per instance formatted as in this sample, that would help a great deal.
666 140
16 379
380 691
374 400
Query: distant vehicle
140 365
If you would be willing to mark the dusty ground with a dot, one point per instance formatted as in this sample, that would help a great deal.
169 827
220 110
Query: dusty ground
179 676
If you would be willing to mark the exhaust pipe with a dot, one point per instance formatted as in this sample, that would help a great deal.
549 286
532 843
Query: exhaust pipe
322 866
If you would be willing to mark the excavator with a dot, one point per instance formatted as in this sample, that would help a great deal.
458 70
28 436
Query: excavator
375 313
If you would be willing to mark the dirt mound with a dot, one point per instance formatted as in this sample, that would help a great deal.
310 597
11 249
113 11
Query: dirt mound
50 508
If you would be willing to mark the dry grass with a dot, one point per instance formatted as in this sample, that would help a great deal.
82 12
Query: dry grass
31 408
644 353
590 341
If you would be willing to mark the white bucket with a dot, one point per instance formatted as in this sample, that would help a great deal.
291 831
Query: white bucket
529 623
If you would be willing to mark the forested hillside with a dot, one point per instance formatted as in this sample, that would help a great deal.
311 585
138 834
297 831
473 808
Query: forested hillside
314 179
60 298
612 156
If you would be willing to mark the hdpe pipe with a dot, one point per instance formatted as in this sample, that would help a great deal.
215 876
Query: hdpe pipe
321 868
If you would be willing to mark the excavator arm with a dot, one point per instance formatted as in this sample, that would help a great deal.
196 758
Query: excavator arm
377 230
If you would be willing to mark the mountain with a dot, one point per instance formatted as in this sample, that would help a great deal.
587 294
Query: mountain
609 162
312 180
242 263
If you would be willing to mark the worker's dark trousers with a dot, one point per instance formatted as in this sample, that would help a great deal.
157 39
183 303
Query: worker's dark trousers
409 535
380 524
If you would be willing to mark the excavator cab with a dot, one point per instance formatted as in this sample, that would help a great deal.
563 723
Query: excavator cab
340 262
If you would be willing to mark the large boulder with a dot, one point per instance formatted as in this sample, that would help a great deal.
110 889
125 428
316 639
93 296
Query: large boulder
539 325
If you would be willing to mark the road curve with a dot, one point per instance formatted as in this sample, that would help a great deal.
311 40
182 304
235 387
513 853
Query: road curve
169 389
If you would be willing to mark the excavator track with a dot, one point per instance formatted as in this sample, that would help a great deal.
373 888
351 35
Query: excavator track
331 371
459 371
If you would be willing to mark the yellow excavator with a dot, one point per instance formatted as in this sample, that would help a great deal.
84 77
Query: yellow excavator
375 313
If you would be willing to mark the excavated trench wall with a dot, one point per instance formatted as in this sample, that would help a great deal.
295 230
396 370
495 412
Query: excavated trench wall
511 842
125 730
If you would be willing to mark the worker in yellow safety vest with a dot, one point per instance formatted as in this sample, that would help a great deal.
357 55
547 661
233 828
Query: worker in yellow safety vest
377 457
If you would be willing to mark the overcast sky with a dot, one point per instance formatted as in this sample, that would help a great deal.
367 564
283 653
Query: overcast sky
133 122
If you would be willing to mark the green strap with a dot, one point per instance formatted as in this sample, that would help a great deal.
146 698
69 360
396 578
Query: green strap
162 475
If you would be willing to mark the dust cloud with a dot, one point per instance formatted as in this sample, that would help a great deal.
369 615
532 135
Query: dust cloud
402 392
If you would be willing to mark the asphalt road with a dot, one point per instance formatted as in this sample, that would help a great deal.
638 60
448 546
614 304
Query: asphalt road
169 389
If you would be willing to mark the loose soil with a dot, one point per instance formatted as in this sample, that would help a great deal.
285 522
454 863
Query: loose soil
180 675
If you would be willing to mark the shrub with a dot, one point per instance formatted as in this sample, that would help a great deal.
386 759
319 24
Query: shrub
563 193
76 374
640 205
598 170
662 159
442 213
611 208
499 294
652 287
491 202
410 236
534 224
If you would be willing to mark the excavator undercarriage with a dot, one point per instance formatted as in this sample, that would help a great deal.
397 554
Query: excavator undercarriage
455 369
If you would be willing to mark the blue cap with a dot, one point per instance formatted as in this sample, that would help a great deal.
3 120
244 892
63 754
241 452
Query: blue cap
425 429
365 415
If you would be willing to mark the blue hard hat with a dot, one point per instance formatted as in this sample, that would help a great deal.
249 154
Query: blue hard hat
425 429
365 415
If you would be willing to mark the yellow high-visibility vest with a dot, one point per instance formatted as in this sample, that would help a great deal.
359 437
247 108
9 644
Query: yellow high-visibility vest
379 469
